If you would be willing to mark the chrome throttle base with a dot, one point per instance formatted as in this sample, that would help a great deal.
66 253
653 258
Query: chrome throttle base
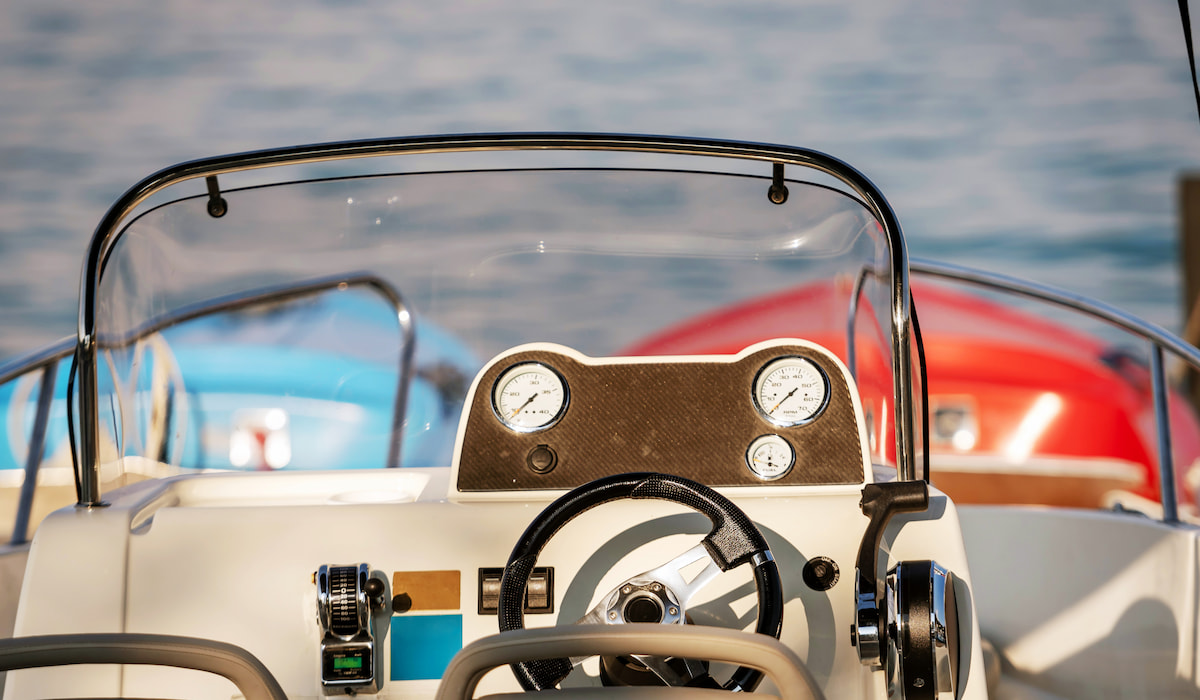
345 598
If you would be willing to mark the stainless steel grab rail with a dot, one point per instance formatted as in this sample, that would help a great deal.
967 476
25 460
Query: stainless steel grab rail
1159 339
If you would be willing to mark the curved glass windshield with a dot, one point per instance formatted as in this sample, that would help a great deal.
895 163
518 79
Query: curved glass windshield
271 337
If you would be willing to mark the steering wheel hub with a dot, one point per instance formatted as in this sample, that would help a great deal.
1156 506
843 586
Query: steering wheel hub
640 600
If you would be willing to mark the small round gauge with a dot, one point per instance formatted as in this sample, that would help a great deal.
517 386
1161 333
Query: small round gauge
770 457
529 397
790 391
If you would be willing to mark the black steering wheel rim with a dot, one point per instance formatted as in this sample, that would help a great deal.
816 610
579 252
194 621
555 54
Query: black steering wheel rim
733 541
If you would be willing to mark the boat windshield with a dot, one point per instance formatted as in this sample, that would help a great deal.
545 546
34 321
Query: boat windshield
275 336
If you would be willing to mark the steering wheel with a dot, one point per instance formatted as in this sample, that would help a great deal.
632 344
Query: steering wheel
660 595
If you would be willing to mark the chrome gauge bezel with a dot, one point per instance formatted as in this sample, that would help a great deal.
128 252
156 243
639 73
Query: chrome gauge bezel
769 440
778 363
521 368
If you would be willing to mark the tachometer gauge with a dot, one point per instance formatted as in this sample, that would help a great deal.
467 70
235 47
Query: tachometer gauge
790 391
770 457
529 397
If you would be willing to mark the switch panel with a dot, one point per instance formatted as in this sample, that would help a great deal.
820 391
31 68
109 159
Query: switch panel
539 594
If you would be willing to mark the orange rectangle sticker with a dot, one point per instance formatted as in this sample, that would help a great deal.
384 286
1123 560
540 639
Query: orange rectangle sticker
428 590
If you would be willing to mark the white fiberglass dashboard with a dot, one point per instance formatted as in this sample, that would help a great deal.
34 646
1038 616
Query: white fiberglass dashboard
251 558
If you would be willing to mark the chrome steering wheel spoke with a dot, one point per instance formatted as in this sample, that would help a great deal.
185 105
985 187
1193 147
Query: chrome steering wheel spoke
665 587
671 575
681 673
660 595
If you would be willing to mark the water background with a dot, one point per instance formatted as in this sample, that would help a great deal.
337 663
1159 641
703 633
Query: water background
1040 138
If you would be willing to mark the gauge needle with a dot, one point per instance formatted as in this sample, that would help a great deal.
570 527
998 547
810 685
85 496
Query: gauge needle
527 402
782 400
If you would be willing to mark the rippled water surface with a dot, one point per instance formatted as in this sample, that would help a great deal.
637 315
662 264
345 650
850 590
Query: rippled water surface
1042 139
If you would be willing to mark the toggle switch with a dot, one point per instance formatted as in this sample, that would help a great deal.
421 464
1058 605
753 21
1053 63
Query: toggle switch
539 594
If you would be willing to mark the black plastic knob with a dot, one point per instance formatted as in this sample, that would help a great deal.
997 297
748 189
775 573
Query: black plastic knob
821 573
374 588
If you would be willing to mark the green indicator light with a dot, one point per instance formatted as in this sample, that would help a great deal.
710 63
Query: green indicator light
344 662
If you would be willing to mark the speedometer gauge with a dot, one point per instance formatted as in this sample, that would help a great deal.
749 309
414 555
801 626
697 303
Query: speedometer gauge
790 391
529 397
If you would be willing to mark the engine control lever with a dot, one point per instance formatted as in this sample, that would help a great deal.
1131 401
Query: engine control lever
347 597
879 503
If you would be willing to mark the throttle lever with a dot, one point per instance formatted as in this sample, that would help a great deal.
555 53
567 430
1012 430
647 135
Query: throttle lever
879 503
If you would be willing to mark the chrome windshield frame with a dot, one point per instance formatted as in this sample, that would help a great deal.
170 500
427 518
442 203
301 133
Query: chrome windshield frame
116 217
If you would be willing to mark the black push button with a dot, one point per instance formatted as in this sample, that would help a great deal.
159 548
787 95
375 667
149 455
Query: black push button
821 573
643 609
542 459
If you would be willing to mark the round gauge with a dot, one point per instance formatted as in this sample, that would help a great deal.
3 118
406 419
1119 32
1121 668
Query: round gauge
770 457
790 391
529 397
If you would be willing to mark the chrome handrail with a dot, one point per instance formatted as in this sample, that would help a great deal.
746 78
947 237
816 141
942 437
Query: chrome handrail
271 295
21 365
33 456
46 361
107 232
1159 338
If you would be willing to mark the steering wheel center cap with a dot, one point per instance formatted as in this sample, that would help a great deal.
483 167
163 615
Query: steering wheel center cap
644 601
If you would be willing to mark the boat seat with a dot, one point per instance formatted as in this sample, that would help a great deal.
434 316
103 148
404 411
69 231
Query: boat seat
643 692
758 651
241 667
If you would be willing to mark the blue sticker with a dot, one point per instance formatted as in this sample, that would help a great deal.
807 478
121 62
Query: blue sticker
422 645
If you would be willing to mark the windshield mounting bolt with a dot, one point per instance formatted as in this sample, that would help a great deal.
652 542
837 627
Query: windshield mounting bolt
777 192
217 207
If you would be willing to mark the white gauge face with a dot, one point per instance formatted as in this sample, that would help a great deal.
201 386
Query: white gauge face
770 457
790 391
529 397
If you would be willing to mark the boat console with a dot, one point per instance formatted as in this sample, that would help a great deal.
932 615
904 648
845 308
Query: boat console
590 491
694 464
